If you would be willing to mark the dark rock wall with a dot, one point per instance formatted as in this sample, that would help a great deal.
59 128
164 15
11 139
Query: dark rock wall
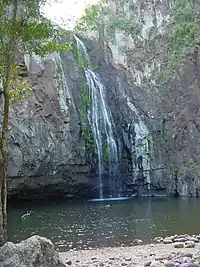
46 149
157 129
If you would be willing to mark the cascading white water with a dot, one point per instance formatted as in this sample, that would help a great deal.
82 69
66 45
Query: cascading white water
100 120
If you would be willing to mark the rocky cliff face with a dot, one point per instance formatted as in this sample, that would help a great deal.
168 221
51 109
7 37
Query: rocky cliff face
157 126
45 144
160 101
170 111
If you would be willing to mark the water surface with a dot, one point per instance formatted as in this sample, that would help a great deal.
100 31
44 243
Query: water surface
108 223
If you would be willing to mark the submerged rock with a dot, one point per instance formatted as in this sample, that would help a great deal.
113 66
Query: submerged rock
35 251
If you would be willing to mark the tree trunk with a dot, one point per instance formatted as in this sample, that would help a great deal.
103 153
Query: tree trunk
3 163
1 203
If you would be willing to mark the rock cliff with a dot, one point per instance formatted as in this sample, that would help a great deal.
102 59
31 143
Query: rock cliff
153 46
155 110
45 144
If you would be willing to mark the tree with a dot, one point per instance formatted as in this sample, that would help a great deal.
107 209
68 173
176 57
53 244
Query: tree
23 29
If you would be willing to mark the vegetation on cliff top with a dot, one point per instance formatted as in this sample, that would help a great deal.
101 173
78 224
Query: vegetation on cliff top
181 38
23 29
180 34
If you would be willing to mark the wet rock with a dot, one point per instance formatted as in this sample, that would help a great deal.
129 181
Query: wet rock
60 264
158 239
188 255
127 259
184 236
191 238
152 254
178 245
167 241
180 239
169 264
190 244
94 258
148 263
137 242
159 258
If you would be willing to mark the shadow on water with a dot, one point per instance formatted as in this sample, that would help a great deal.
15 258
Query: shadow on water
83 224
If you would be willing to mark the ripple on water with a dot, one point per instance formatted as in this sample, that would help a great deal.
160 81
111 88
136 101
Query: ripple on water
107 222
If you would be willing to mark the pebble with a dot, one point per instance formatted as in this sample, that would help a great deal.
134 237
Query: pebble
169 264
137 242
176 254
188 255
190 244
154 264
160 258
148 263
94 258
178 245
196 240
127 259
167 241
190 265
180 239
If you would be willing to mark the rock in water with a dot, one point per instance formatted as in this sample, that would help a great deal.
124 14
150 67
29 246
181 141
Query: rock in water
35 251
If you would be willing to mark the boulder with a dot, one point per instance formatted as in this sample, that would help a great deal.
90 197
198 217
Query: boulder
34 252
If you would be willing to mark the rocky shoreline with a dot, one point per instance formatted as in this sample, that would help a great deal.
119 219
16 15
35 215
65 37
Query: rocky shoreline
171 251
153 255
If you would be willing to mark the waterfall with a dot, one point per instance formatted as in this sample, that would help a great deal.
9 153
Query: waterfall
101 123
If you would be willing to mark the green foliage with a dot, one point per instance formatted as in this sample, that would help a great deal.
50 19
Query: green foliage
181 37
85 103
24 29
129 27
175 176
90 20
17 88
82 61
175 173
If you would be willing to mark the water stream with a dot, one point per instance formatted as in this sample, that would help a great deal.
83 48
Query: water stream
101 123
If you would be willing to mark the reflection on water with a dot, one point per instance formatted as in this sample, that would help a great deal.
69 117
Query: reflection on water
107 223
